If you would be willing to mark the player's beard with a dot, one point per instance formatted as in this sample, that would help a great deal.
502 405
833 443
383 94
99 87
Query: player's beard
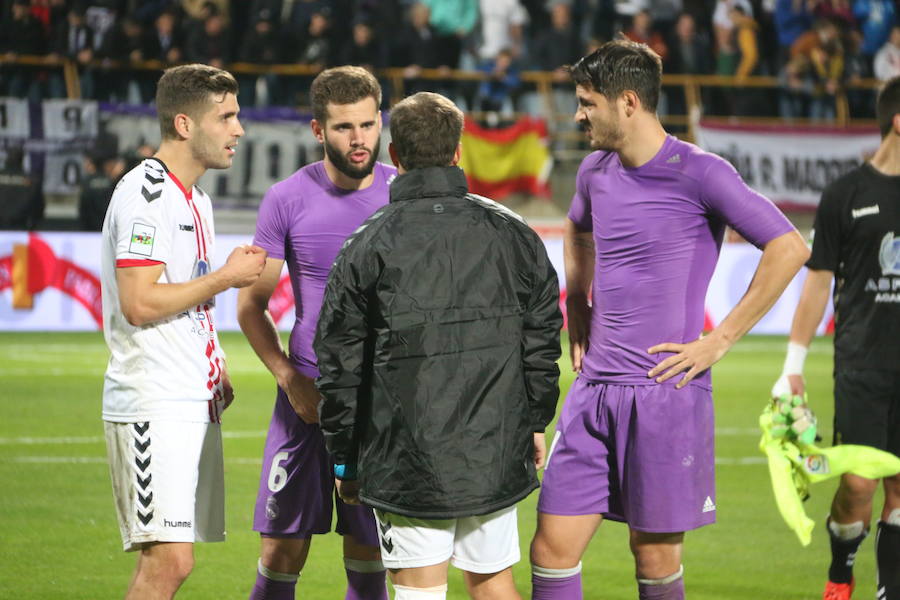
205 151
606 135
342 163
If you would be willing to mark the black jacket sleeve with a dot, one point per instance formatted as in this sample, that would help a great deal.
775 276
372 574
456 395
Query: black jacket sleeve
540 339
341 335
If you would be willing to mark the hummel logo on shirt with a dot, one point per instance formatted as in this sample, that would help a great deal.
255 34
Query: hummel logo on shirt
862 212
185 227
675 158
708 506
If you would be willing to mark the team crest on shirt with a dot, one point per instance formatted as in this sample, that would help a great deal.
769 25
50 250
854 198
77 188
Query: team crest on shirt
272 508
889 256
142 239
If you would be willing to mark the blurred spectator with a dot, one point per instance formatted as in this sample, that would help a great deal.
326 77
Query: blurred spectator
604 21
210 44
101 173
641 30
664 13
496 93
200 10
875 18
260 46
502 23
415 49
723 31
315 47
689 53
887 60
301 12
415 46
557 46
792 18
73 39
165 43
746 42
128 42
817 67
365 49
101 18
22 206
839 11
745 100
22 34
453 21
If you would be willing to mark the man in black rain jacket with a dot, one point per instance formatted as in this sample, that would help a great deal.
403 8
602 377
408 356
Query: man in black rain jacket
437 347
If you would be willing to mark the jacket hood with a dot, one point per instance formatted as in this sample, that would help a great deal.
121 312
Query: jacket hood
431 182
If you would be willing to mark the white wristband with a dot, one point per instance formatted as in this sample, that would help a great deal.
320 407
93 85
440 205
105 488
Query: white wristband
793 361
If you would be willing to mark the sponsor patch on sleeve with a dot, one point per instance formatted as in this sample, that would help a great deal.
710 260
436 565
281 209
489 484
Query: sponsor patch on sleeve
142 239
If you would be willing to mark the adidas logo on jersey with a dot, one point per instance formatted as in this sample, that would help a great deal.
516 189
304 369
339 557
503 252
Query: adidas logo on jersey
675 158
708 506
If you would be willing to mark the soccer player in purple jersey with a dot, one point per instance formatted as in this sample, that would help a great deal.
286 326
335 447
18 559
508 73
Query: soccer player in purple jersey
303 221
634 442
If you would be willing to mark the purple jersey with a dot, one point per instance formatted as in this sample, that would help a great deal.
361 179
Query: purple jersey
305 220
657 231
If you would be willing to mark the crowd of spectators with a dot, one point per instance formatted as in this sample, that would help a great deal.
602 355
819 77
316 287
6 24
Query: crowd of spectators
814 47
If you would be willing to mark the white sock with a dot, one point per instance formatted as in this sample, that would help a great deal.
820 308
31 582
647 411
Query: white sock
402 592
847 532
275 575
664 580
555 573
363 566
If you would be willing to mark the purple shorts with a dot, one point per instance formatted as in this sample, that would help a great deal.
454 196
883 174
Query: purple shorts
640 454
296 489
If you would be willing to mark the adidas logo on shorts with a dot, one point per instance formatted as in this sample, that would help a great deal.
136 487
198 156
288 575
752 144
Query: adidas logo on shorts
708 506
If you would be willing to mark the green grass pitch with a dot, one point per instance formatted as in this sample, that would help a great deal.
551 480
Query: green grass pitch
59 538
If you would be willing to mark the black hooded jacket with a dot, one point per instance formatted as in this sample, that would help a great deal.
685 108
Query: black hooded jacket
437 346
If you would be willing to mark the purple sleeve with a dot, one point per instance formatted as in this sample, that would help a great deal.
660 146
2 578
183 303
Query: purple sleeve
580 211
272 225
748 212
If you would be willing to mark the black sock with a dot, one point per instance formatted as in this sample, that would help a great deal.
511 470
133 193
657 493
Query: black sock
843 555
887 552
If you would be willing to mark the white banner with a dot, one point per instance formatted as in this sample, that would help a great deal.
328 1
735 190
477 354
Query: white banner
789 165
57 281
14 121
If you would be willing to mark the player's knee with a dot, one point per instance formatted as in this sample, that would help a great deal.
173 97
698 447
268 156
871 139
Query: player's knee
284 555
491 586
892 490
858 488
547 551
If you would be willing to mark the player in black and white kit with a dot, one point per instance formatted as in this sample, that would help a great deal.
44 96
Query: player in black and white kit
856 241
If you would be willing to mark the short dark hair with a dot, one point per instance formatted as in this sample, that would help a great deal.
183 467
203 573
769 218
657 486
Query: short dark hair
189 89
888 105
342 85
621 65
425 130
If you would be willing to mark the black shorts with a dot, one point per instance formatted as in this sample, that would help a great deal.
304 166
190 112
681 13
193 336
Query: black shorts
867 408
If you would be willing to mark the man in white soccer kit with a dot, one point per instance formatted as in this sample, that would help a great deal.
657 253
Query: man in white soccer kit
166 385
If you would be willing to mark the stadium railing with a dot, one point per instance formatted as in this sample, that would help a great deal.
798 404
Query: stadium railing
542 82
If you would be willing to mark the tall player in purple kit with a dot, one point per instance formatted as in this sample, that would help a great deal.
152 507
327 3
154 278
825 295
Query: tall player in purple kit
304 221
635 438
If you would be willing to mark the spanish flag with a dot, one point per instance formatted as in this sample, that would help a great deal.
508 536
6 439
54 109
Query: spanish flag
499 162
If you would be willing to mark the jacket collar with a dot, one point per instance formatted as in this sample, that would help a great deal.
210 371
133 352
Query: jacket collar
431 182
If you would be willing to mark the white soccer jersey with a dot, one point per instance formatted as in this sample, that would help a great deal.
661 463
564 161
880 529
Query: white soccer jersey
170 369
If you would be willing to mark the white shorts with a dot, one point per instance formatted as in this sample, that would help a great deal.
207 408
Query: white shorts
483 544
168 481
